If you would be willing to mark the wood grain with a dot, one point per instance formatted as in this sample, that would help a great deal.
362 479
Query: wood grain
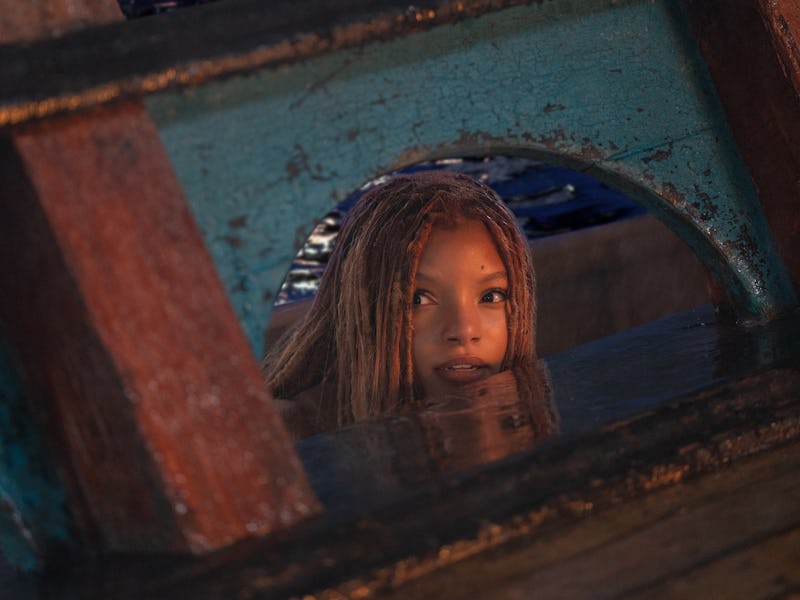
148 389
733 529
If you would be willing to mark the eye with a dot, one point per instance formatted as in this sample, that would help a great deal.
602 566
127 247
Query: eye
494 296
421 298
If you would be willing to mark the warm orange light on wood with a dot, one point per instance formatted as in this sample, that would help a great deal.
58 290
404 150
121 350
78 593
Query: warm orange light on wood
149 390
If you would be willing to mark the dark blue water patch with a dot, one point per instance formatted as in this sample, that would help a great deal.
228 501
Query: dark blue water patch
134 9
547 200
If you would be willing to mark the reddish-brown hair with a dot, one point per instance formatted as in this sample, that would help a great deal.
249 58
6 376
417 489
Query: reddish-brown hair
356 340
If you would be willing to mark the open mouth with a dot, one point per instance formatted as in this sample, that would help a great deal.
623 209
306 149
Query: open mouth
464 370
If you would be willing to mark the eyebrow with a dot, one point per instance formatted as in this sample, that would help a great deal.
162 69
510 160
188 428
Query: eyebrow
489 277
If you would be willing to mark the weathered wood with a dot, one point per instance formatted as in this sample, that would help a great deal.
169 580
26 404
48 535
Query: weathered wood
695 531
151 397
782 21
684 540
49 212
759 85
765 569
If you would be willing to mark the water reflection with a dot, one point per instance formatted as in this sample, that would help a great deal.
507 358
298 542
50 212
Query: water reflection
366 465
598 384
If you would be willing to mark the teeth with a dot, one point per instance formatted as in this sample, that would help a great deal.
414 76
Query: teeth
462 367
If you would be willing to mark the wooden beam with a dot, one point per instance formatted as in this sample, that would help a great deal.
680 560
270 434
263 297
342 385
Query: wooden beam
147 388
752 52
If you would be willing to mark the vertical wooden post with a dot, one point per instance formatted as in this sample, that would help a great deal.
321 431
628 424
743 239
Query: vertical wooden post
147 388
751 47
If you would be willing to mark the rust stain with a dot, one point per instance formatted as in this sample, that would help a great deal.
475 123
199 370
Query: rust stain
475 138
659 155
670 193
300 46
411 155
552 140
292 170
300 236
234 241
298 163
709 210
590 151
557 140
747 246
548 108
238 222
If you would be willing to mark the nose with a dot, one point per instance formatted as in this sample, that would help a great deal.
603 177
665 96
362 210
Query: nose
462 324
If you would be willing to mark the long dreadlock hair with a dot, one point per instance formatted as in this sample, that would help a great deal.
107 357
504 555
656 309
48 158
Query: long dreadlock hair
356 339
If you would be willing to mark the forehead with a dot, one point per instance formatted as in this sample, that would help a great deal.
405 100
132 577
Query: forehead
458 242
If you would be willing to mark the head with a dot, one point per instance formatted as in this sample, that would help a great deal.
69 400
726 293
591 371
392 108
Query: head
391 316
460 316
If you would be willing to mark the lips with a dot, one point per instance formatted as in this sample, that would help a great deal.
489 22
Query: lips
465 369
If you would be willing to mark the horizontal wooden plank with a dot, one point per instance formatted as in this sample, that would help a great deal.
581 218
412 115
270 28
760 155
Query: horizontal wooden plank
765 569
642 543
191 46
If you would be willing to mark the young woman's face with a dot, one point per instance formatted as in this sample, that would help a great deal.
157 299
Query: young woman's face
460 304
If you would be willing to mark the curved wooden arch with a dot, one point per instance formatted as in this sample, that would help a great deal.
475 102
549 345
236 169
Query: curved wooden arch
262 156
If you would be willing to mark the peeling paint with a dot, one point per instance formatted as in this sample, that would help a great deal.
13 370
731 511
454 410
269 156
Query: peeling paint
238 222
553 107
233 241
368 116
659 155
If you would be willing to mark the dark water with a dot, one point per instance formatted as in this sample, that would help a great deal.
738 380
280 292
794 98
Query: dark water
619 377
546 200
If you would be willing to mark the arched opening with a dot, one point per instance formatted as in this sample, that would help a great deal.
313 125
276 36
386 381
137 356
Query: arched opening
604 263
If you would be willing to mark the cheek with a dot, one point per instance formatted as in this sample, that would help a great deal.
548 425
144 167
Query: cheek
499 329
419 339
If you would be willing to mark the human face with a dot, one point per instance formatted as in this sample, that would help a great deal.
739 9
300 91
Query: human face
460 305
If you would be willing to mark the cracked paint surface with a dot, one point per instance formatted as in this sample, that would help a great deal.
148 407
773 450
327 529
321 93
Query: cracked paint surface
614 89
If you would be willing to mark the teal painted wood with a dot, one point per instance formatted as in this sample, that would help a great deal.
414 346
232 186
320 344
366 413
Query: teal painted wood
615 88
33 514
